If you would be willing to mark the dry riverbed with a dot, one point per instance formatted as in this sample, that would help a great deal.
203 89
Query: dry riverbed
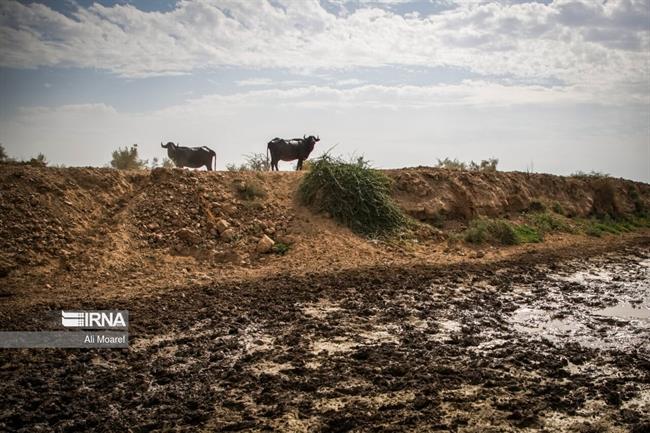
529 344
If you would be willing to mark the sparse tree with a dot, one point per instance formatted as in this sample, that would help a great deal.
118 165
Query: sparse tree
257 162
154 162
3 153
454 164
127 159
489 164
451 164
253 162
38 161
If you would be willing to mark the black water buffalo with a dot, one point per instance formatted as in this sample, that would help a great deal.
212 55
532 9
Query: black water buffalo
289 150
193 157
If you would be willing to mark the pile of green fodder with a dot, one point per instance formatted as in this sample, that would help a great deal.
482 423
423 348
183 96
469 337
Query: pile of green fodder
353 194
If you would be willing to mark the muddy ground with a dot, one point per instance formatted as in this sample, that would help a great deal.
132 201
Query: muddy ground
537 342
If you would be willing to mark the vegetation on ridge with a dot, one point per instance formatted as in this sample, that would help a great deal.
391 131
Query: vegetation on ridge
353 194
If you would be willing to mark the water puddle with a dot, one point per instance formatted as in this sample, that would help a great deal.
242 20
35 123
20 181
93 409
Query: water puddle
627 310
321 309
333 346
600 305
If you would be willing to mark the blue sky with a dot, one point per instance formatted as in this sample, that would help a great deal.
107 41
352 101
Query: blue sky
556 86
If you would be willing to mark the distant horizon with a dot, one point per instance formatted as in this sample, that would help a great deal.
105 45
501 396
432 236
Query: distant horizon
553 87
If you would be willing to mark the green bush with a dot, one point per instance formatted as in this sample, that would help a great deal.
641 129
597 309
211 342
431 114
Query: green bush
527 234
490 230
168 163
500 231
253 162
489 164
600 226
127 159
280 248
39 161
592 174
557 208
546 222
536 206
640 209
354 194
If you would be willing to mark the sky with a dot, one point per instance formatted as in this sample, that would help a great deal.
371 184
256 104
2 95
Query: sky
554 86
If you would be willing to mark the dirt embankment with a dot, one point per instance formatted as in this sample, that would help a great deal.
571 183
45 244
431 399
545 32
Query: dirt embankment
106 231
431 194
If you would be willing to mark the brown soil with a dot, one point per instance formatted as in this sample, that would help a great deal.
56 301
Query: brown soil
108 233
340 334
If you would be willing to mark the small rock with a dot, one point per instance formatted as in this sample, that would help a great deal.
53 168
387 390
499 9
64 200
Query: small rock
222 226
187 235
228 234
265 244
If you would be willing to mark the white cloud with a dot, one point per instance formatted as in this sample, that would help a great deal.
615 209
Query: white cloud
267 82
349 82
571 41
255 82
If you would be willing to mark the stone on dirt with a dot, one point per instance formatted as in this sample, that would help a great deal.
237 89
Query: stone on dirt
228 234
222 225
188 235
265 244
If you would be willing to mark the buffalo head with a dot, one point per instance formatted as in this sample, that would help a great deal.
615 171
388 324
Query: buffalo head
169 143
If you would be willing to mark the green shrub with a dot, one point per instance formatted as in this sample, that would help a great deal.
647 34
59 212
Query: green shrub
600 226
127 159
546 222
500 231
489 164
280 248
640 209
557 208
536 206
252 162
477 232
639 221
504 232
526 234
354 194
591 174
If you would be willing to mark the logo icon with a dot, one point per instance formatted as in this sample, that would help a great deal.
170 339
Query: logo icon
72 319
94 319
